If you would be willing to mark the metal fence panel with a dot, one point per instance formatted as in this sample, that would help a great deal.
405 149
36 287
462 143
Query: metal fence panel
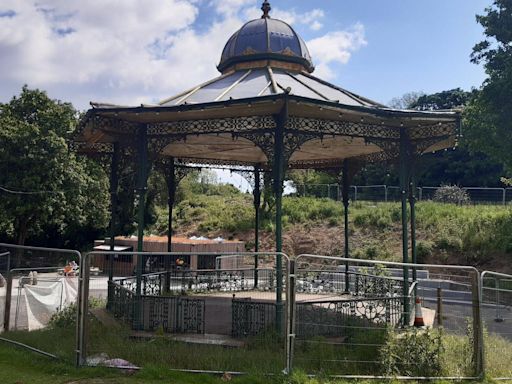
384 193
230 318
352 315
497 318
41 291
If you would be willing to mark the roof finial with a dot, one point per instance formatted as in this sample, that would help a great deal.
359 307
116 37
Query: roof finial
266 8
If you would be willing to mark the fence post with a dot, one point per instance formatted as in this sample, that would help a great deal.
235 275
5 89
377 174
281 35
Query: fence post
8 298
290 342
504 201
420 193
355 192
386 193
439 306
478 347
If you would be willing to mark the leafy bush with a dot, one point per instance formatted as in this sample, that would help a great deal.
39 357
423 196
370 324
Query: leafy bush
64 318
424 249
451 194
413 352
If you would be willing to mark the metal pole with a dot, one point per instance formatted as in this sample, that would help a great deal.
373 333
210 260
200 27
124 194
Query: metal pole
412 205
171 196
278 190
257 203
114 183
478 346
404 185
290 344
345 197
8 298
498 312
141 194
439 306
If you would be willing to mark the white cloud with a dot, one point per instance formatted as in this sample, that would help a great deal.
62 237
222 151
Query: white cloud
133 51
335 48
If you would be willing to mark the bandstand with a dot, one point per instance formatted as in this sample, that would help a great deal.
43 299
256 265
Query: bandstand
265 114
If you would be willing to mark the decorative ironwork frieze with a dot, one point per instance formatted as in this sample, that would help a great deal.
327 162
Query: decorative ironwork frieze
342 128
205 126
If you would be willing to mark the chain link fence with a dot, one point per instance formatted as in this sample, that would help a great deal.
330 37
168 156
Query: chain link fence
388 193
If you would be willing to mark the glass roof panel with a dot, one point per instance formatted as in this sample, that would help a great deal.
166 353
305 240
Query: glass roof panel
298 89
212 91
251 86
331 93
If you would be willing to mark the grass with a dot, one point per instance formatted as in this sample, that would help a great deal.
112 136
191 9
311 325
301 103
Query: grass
359 353
19 367
446 232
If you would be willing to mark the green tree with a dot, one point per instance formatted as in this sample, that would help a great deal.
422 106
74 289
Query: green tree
488 117
460 166
43 184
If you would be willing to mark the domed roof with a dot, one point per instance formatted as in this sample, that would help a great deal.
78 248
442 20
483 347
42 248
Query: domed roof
265 39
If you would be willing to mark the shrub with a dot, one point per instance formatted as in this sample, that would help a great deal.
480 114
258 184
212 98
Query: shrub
424 249
451 194
64 318
413 352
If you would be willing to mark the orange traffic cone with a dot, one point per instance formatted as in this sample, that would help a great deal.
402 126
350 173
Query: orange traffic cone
418 317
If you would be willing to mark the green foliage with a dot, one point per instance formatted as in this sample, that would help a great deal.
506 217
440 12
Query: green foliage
488 117
413 352
64 193
64 318
424 249
376 216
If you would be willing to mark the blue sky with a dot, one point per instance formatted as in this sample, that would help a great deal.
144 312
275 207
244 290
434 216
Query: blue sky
142 51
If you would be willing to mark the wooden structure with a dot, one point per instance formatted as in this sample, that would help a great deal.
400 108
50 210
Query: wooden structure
158 244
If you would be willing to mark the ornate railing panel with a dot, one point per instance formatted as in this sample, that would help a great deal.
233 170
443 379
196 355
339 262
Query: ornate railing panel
202 281
169 313
191 317
334 318
367 285
250 318
121 302
360 284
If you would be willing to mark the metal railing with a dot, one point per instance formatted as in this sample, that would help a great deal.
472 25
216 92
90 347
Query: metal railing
389 193
324 328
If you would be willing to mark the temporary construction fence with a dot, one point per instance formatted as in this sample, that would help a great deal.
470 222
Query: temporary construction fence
35 292
265 313
353 318
228 319
497 318
389 193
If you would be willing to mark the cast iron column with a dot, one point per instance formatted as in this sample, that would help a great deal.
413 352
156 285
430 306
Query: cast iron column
171 196
344 193
142 172
257 203
404 185
412 205
278 190
114 183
